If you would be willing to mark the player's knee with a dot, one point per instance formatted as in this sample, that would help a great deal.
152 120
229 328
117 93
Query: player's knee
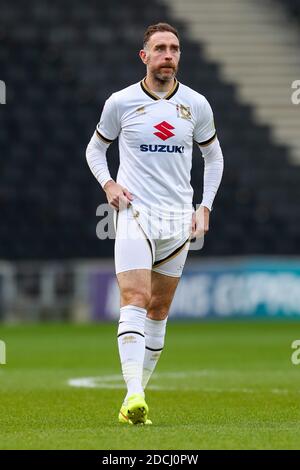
136 296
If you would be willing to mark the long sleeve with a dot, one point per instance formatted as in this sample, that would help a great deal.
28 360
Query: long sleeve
96 158
213 170
107 130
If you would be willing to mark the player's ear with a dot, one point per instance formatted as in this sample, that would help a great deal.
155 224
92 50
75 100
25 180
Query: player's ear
144 56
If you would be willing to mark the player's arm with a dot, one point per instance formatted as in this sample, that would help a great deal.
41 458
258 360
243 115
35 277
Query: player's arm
213 170
107 130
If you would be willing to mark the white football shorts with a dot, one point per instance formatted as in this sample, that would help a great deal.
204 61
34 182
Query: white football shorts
136 249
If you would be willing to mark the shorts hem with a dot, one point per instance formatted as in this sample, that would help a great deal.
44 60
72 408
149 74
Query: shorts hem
131 269
164 273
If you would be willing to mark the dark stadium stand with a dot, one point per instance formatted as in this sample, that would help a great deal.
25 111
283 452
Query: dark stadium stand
293 6
60 61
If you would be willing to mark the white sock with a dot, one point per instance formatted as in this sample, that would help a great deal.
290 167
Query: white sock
131 342
155 331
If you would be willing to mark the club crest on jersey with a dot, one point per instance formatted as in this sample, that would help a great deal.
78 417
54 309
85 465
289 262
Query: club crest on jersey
184 112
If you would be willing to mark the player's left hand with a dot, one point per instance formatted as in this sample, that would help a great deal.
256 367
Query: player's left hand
200 222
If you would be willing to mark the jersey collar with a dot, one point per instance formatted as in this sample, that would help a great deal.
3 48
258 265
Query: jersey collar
154 96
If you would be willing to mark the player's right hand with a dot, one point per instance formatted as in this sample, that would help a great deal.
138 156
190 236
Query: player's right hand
118 197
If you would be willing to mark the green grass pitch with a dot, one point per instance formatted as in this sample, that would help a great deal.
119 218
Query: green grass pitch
228 385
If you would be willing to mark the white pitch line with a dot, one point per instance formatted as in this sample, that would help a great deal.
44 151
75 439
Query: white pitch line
116 382
106 383
111 381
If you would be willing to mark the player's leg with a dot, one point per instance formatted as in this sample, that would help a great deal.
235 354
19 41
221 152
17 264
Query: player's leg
133 259
165 279
163 290
135 288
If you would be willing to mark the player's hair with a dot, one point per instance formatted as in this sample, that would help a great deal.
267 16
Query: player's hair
159 27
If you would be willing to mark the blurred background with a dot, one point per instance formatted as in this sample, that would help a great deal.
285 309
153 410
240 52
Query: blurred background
60 60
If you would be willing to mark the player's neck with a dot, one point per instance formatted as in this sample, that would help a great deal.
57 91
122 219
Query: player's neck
156 85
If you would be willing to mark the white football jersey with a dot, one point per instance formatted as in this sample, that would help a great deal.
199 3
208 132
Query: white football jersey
156 142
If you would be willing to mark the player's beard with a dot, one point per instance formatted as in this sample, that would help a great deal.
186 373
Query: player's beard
162 77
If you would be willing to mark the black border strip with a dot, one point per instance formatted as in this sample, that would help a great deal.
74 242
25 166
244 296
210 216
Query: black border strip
173 92
107 141
156 98
207 142
156 350
164 260
135 332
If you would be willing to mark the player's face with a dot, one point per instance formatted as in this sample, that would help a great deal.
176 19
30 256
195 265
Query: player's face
162 56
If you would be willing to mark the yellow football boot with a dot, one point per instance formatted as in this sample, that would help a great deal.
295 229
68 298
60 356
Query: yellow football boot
134 411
